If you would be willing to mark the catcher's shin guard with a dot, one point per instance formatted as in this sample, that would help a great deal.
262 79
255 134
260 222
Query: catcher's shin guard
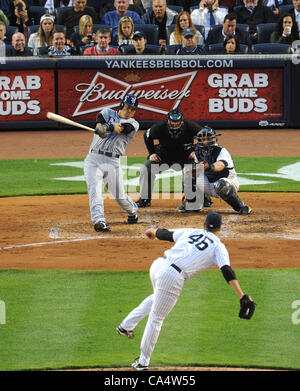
228 193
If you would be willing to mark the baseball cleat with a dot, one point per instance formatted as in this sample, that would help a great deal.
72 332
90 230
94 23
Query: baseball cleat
245 210
126 333
139 367
132 219
101 226
182 209
143 202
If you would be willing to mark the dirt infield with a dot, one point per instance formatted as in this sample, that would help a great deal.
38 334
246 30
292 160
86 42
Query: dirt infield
56 231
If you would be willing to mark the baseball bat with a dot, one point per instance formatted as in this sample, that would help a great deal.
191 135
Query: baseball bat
63 120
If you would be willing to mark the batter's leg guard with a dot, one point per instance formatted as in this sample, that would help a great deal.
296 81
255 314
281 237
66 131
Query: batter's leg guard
228 193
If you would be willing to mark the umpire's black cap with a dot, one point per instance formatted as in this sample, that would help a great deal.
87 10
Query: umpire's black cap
213 221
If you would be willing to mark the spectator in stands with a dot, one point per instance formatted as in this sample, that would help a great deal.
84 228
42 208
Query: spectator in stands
4 7
125 31
85 35
43 37
3 37
52 4
161 16
138 7
286 30
296 12
218 35
18 48
4 18
139 41
231 45
102 47
184 21
189 44
71 16
112 18
253 13
59 47
208 14
19 15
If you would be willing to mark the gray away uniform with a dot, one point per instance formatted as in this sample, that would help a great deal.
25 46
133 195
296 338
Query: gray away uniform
102 165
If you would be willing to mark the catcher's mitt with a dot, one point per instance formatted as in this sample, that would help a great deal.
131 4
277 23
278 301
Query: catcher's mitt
247 307
101 130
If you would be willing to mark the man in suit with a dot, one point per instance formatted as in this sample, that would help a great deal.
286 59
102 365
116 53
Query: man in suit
218 34
296 12
254 13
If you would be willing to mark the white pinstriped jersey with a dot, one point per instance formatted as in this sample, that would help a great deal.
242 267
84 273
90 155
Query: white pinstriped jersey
225 155
115 142
196 250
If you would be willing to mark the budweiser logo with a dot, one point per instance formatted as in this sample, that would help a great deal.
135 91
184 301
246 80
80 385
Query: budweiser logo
156 95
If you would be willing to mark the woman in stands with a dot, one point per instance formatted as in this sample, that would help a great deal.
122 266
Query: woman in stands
85 35
286 30
184 21
125 31
44 35
231 45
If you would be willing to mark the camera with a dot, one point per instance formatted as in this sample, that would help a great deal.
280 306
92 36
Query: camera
20 7
90 36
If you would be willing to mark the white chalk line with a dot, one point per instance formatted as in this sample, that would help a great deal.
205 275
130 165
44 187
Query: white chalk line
55 234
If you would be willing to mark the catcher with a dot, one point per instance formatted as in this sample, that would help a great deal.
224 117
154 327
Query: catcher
194 250
220 179
114 131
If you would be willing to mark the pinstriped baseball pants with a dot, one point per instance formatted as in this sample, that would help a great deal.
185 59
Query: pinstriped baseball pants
167 285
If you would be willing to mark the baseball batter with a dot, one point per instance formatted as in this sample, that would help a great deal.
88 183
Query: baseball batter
114 131
194 251
220 178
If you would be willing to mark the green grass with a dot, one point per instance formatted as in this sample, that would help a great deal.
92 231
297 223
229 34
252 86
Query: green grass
67 319
39 176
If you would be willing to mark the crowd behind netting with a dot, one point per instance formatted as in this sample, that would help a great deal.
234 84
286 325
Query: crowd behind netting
147 27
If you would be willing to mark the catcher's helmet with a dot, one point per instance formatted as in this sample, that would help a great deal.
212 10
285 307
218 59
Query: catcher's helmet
175 120
130 100
207 138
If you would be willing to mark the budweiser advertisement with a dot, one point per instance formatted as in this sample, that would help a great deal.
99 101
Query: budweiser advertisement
215 94
26 95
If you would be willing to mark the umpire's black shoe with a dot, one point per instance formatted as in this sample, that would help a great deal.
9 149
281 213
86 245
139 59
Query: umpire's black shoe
245 210
207 202
101 226
132 219
183 209
143 202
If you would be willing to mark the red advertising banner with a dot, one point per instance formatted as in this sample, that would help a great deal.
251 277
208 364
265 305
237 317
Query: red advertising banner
202 94
26 95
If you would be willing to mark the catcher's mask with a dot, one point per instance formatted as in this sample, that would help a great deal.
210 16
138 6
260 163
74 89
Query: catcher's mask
130 100
175 121
207 138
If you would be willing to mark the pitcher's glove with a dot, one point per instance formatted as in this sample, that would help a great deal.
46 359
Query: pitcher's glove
101 130
247 307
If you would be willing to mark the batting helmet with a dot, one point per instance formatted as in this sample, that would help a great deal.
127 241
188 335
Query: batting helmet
130 100
207 138
175 119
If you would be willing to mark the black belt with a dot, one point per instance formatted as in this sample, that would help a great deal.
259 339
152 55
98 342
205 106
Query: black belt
176 267
109 154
